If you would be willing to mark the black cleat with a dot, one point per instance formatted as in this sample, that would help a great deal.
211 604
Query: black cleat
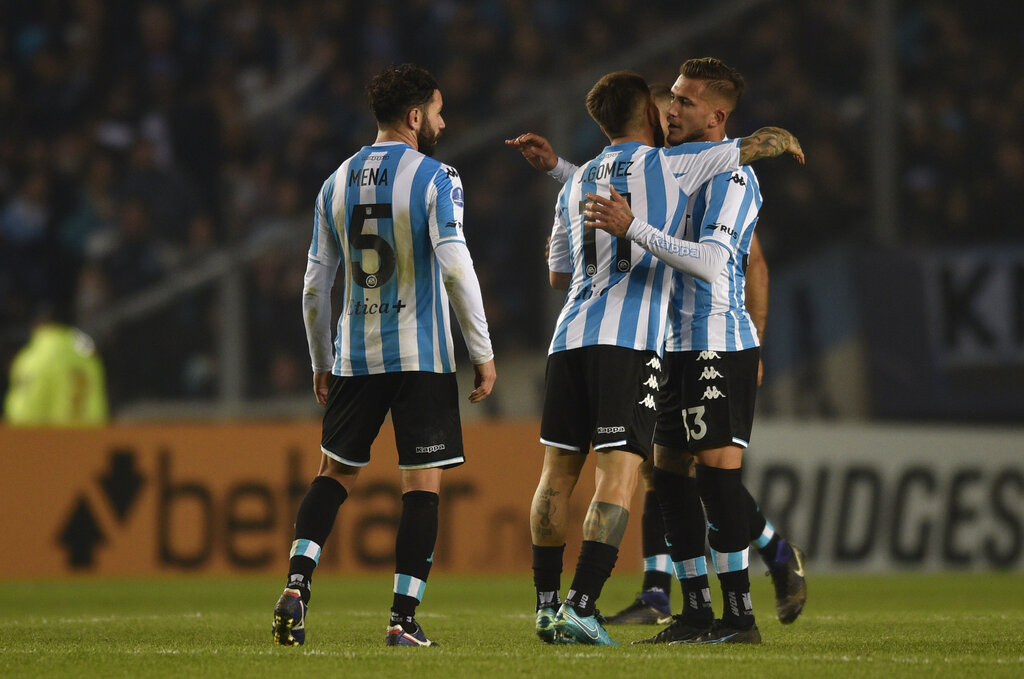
650 608
722 632
787 573
289 627
403 635
680 630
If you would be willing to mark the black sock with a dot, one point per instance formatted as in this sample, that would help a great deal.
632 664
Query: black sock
755 518
414 549
697 607
685 527
728 534
597 559
406 620
653 543
737 610
547 575
313 524
683 514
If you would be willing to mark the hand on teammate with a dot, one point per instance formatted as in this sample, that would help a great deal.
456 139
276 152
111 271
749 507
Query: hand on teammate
608 214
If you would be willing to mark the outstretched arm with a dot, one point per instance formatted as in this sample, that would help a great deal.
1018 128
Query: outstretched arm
536 149
769 142
538 152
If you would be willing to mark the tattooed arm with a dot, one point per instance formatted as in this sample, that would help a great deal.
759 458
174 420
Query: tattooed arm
769 142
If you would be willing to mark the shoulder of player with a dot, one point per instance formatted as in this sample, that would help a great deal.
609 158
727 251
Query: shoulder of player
691 147
743 180
441 171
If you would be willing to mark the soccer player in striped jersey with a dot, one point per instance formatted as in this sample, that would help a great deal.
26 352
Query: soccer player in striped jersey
712 366
604 360
391 218
783 559
653 604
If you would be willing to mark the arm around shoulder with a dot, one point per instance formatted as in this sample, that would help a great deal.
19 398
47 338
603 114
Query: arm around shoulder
769 142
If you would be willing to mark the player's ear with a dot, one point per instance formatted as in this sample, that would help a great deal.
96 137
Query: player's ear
653 115
414 118
718 118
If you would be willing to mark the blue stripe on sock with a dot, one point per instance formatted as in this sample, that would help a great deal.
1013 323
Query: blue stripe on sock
409 586
690 568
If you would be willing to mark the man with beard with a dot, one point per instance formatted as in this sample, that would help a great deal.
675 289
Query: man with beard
392 217
712 356
604 361
783 559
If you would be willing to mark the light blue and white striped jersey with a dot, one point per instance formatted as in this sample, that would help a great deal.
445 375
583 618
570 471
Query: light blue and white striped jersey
713 316
619 292
379 217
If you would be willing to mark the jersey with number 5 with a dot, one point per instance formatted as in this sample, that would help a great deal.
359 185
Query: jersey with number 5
380 217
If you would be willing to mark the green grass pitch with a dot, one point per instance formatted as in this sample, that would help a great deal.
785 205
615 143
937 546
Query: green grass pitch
908 625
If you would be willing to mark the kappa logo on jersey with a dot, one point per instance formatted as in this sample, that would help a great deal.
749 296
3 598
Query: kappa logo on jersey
647 401
651 382
655 363
458 197
709 374
451 171
738 178
708 356
454 225
711 393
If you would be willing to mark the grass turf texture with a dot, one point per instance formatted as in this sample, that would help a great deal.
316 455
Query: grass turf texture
911 625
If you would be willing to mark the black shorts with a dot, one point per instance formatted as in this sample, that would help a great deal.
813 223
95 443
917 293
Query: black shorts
707 399
424 412
603 395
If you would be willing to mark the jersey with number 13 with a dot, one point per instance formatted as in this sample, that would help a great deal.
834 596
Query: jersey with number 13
379 217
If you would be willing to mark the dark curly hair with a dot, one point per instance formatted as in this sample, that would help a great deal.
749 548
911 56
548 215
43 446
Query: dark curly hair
397 89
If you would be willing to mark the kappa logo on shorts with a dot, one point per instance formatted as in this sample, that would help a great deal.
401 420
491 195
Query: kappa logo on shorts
654 363
710 374
651 382
708 356
712 392
647 401
611 430
430 449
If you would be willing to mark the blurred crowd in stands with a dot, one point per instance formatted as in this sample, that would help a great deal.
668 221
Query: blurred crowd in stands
138 139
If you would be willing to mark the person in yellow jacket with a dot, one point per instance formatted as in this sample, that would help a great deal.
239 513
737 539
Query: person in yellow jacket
57 380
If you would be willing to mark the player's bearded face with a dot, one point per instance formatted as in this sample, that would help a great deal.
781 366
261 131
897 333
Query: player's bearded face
427 137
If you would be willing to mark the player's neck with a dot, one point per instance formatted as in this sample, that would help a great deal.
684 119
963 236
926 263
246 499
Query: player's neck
640 137
403 136
716 133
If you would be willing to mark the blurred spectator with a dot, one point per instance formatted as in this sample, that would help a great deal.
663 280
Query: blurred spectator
57 379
